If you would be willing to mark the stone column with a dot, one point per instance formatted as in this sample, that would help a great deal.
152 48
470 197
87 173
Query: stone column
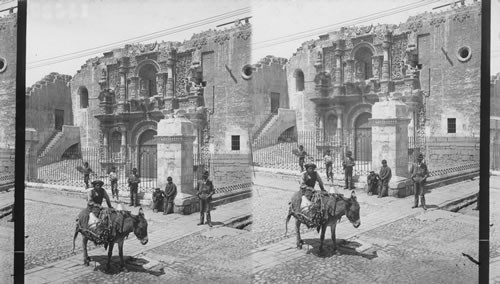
386 64
337 85
123 146
121 96
30 168
134 83
105 142
175 158
350 71
390 142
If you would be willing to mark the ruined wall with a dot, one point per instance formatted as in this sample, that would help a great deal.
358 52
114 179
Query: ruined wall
87 77
42 99
8 45
302 60
269 77
454 81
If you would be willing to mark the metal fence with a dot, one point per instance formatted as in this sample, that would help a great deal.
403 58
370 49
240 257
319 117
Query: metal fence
62 169
277 152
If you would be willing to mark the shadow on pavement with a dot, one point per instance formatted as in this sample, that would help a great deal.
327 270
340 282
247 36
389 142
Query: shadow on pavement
343 248
132 264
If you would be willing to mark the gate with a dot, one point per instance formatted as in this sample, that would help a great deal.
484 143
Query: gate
147 152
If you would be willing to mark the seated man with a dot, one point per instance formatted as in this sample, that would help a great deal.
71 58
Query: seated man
95 198
309 179
158 197
372 180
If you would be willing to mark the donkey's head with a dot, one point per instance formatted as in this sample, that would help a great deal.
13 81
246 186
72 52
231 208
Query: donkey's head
352 210
141 227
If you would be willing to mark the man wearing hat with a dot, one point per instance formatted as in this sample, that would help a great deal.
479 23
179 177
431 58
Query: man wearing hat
205 191
133 183
86 174
348 165
96 196
170 193
419 175
372 180
385 176
310 177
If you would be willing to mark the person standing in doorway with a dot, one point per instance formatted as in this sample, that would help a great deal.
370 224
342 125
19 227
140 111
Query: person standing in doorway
113 179
133 183
170 193
348 165
419 175
205 191
328 166
86 174
385 177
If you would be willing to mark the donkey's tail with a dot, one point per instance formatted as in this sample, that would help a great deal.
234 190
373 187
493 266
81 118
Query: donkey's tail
288 220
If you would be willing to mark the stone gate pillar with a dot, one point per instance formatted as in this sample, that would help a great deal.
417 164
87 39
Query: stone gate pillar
390 142
175 158
30 168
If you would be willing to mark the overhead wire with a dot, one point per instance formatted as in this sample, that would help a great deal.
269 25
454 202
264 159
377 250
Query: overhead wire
138 39
355 21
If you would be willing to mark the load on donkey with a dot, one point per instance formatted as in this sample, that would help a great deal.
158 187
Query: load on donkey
320 209
107 226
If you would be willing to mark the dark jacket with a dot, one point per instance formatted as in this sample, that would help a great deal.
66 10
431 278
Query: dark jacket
311 179
170 191
95 197
419 171
385 173
205 189
348 162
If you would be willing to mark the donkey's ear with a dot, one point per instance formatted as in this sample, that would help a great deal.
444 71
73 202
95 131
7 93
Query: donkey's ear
140 211
353 195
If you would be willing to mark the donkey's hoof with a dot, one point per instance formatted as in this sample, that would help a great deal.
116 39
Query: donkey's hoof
299 246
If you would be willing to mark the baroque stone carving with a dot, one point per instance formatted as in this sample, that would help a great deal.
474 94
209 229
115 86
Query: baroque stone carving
182 67
437 21
398 49
220 39
245 34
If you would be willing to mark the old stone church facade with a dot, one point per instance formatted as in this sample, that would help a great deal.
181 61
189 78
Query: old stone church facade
118 99
431 62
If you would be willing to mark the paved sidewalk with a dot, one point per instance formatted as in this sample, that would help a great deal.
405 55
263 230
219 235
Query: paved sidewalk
377 212
162 229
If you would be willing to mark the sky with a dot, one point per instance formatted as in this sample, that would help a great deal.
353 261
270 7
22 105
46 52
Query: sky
60 27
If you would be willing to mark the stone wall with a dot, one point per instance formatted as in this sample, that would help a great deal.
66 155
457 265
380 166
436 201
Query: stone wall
8 47
495 95
42 99
269 77
455 82
453 151
231 170
87 78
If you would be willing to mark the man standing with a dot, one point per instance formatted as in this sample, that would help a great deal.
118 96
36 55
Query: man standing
170 193
419 175
302 156
113 178
328 166
205 191
385 176
86 174
133 183
348 165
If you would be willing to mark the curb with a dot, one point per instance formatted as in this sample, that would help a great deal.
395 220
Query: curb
6 210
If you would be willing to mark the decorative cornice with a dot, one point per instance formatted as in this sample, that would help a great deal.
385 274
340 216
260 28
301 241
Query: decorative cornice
389 121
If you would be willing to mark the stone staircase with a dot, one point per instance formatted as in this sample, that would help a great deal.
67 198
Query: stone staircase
52 142
263 126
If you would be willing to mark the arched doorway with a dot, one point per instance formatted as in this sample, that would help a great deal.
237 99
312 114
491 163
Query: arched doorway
363 63
363 137
147 80
147 155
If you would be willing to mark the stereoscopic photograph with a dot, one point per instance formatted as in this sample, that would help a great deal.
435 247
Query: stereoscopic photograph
251 141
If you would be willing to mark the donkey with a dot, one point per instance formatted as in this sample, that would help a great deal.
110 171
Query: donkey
123 223
335 206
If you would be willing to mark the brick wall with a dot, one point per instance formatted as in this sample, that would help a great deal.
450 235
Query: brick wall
42 99
8 45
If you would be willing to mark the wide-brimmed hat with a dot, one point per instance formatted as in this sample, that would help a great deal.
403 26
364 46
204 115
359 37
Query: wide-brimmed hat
134 169
169 179
206 174
420 156
349 153
98 182
372 172
310 165
156 189
384 161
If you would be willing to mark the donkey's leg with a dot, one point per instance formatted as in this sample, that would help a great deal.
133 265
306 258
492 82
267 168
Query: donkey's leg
86 259
297 230
120 251
332 230
322 236
110 253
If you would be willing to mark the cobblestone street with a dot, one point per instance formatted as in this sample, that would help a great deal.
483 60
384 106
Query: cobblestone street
6 249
